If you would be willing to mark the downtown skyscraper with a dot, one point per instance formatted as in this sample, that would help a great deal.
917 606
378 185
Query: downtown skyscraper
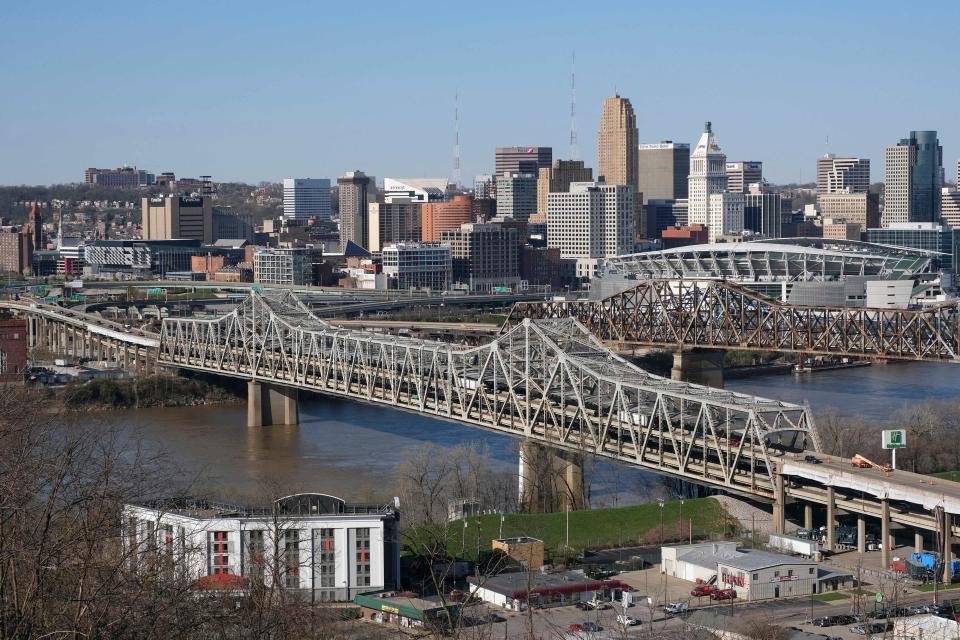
913 179
617 143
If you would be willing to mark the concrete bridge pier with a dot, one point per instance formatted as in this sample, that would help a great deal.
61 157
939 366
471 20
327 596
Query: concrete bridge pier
550 479
885 538
699 366
808 516
945 525
269 404
918 541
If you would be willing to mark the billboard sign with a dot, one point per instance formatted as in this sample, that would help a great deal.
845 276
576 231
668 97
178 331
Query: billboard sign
894 439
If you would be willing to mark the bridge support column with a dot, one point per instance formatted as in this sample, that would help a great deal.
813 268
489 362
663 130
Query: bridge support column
885 537
946 526
831 520
808 516
779 507
918 541
550 479
269 404
699 366
861 534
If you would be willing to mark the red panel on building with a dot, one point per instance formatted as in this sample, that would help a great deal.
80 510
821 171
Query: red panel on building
13 349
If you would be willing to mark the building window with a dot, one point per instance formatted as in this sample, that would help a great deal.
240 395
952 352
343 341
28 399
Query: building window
326 558
252 553
219 553
291 551
362 557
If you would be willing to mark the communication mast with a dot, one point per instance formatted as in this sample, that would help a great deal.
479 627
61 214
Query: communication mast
574 147
456 139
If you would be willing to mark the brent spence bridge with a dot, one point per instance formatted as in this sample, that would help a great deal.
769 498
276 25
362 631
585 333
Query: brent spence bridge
549 381
722 315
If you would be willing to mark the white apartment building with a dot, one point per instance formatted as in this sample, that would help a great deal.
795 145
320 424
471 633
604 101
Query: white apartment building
592 220
326 546
306 197
284 266
410 265
708 175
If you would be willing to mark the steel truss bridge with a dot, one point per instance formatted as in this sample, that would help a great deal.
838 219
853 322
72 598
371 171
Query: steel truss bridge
720 314
548 381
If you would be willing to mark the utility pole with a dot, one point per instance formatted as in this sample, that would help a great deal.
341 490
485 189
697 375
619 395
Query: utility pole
661 503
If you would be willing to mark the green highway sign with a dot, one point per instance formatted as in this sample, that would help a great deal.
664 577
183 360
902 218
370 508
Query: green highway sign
894 439
879 597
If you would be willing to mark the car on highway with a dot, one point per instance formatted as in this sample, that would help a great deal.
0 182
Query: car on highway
812 459
675 608
723 594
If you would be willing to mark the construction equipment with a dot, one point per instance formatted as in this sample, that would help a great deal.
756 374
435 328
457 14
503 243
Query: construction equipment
863 463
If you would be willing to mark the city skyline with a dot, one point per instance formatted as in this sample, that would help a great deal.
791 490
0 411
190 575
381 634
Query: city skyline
277 108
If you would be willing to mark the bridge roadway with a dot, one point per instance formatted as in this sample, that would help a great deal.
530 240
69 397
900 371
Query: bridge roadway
553 383
716 314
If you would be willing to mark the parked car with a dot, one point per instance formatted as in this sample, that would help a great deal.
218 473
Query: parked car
584 606
675 608
599 605
627 621
590 627
575 627
870 628
723 594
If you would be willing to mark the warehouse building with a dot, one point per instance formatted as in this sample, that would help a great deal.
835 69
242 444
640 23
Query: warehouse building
559 588
753 574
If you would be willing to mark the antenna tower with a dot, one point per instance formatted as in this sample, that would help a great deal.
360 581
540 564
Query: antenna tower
574 147
456 139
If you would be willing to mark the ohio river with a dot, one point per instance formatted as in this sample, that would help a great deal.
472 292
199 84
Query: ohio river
350 449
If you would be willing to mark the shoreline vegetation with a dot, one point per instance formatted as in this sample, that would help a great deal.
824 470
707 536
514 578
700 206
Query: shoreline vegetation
157 390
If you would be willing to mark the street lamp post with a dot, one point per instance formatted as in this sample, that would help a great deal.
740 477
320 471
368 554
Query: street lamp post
681 520
661 503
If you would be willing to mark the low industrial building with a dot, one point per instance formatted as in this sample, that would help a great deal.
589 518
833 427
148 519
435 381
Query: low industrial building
514 590
332 549
752 573
526 551
926 626
406 610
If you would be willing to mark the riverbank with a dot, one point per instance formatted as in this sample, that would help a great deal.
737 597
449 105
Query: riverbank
144 392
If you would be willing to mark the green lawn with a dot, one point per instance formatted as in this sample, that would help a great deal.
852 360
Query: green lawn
931 587
595 528
829 596
953 476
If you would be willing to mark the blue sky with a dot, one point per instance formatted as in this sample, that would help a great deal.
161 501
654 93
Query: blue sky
259 91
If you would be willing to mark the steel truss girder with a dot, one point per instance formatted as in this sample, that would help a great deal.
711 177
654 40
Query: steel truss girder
720 314
550 381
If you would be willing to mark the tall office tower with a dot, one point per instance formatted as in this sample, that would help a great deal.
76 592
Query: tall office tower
740 175
36 227
306 198
662 170
843 175
762 211
708 175
557 178
356 191
522 159
174 217
392 222
950 207
517 195
913 179
617 143
483 187
443 216
484 255
592 220
860 208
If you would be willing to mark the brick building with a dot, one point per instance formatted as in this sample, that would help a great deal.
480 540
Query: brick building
13 349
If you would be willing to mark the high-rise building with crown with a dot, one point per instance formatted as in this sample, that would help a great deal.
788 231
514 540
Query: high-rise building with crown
617 143
710 204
